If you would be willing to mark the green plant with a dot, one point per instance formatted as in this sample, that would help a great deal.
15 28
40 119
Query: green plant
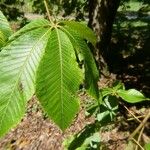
41 59
104 113
147 146
51 59
5 30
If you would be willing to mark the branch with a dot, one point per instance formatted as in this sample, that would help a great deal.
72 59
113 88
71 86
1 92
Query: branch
47 10
137 143
140 126
132 114
139 138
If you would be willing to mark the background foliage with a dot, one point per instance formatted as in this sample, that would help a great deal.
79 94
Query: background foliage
12 9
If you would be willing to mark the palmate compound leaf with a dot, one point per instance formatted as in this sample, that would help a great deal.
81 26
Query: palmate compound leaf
18 63
5 30
58 80
58 76
91 71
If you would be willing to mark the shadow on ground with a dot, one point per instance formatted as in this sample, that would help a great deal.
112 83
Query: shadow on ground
130 50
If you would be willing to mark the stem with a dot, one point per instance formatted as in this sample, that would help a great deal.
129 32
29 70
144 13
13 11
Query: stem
47 10
130 119
138 144
139 138
100 101
132 114
140 126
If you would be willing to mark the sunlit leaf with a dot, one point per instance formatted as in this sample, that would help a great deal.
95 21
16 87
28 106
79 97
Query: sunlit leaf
91 71
42 58
58 80
18 64
38 23
131 96
5 30
83 31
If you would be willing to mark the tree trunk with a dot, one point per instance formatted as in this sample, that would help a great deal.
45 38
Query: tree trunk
101 17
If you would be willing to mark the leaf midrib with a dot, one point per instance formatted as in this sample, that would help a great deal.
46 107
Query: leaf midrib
77 45
17 81
61 76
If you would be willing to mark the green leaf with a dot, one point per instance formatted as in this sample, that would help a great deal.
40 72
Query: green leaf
147 146
38 23
58 79
108 110
87 138
83 31
3 39
131 96
92 142
18 64
4 25
118 85
91 71
5 30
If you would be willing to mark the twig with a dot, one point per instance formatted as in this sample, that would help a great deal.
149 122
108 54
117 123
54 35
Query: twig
47 10
132 114
139 138
137 143
140 126
129 119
